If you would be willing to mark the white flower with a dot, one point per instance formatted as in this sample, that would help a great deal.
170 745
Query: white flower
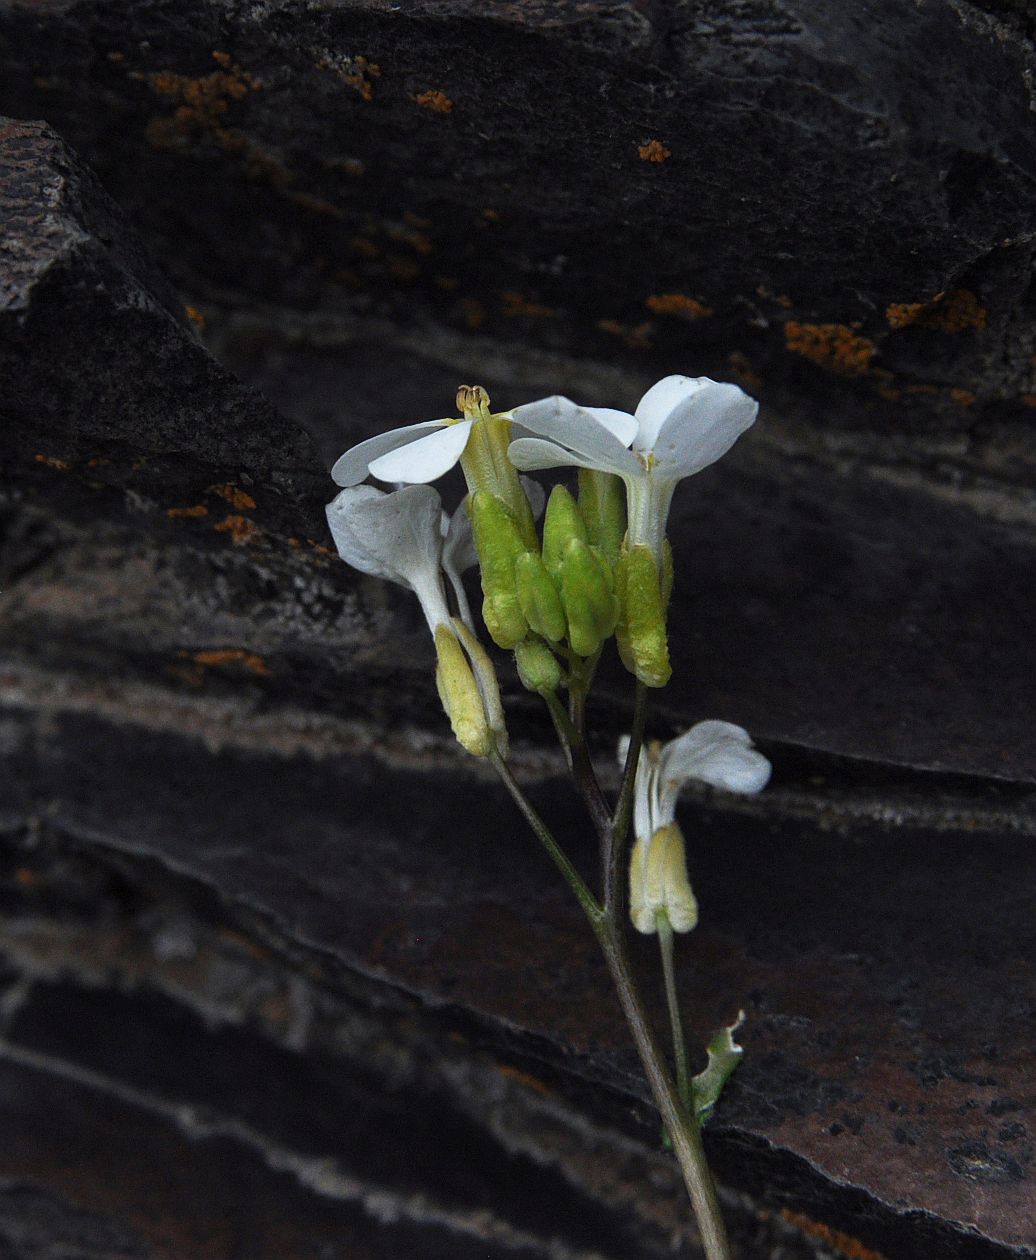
717 753
398 536
406 537
681 425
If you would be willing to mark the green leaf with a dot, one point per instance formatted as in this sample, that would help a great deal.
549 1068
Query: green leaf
724 1056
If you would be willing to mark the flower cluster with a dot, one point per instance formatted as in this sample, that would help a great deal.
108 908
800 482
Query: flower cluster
602 566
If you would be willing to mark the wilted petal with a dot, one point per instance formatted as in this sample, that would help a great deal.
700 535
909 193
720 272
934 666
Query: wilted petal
717 753
426 458
659 402
352 467
702 427
396 536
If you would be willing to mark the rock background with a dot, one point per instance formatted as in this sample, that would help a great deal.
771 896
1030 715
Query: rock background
268 989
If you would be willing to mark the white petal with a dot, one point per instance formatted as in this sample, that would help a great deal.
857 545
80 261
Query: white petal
348 530
620 423
703 427
427 458
351 468
717 753
530 454
458 548
654 408
395 535
588 431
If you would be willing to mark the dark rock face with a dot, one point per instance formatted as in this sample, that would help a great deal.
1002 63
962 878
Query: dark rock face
260 922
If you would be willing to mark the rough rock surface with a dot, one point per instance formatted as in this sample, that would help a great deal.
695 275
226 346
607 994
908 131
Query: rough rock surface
260 967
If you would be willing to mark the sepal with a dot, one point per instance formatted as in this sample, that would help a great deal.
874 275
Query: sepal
641 628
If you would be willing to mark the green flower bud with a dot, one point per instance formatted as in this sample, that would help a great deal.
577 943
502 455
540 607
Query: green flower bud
562 523
602 504
499 545
588 594
538 667
641 629
539 598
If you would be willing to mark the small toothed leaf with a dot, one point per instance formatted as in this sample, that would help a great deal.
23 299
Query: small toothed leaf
724 1056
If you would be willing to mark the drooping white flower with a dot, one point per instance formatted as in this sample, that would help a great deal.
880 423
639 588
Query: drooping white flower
681 425
406 537
717 753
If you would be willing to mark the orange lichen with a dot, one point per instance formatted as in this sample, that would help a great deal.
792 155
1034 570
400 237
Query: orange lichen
654 151
490 216
524 1078
232 656
746 375
51 461
235 496
1029 400
416 220
361 245
834 347
24 877
407 234
769 296
953 311
518 305
637 338
434 100
199 509
474 313
240 529
195 316
319 205
963 397
845 1243
402 268
677 304
201 104
360 75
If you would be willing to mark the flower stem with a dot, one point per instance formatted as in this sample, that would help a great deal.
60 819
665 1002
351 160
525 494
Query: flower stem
609 925
543 833
615 837
681 1126
665 944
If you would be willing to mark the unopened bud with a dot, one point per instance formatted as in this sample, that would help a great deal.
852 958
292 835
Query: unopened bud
641 628
539 598
588 595
562 523
602 504
499 545
659 882
538 667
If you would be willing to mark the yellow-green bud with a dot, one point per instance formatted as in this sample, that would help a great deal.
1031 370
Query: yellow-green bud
562 523
588 594
538 667
460 695
499 544
539 598
602 503
641 629
659 882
